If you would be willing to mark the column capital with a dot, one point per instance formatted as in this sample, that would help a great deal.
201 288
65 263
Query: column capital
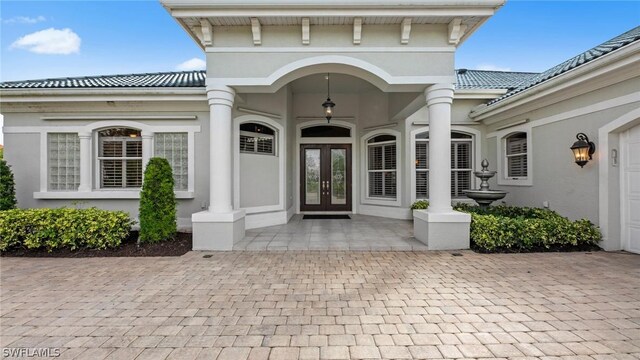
439 93
146 134
219 94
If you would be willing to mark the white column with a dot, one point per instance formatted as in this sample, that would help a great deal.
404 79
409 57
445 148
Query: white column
85 162
147 148
439 99
221 99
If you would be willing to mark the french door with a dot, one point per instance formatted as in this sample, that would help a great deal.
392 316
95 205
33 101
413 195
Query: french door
325 177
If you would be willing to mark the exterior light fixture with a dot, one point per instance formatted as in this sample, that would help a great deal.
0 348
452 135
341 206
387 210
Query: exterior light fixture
583 149
328 104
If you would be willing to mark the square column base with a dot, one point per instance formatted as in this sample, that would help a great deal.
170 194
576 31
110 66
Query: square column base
217 231
442 231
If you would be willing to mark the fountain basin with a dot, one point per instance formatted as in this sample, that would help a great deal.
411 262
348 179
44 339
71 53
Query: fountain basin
484 198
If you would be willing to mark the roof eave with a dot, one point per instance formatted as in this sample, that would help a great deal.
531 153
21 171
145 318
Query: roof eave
483 112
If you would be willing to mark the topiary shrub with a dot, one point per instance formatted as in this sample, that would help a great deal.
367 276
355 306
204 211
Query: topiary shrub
157 203
7 187
63 228
420 205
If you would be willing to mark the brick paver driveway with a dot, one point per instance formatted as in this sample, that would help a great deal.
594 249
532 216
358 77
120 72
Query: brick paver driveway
333 305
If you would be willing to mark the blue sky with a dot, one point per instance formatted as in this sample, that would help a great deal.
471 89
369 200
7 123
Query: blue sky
107 37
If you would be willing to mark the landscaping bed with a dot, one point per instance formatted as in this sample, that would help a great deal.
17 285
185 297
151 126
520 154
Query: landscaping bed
128 248
509 229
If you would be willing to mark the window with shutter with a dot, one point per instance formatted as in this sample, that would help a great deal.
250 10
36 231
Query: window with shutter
382 167
120 158
63 161
257 139
516 156
461 164
175 148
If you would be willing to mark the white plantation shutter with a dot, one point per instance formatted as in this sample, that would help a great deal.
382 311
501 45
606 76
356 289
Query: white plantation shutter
461 164
175 148
382 167
63 161
120 157
517 155
256 143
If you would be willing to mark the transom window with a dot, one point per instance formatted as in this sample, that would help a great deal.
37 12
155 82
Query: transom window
516 155
382 167
120 158
257 139
325 131
461 164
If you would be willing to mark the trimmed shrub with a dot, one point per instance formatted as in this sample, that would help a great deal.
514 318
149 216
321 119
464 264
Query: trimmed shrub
157 203
420 205
63 228
501 228
7 187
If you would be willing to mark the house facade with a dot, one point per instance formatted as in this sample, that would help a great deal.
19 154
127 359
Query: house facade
250 143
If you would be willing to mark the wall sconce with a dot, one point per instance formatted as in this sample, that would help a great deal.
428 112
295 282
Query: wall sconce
583 149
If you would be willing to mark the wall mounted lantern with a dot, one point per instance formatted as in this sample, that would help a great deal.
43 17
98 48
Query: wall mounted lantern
583 149
328 104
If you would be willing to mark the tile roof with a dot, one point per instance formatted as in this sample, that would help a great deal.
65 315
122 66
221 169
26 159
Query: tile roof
187 79
605 48
485 79
467 79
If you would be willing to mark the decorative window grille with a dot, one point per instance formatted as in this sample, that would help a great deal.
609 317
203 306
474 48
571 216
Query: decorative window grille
257 139
120 158
516 156
64 161
461 164
174 147
382 167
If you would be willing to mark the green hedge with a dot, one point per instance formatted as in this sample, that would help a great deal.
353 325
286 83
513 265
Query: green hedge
501 228
420 205
52 229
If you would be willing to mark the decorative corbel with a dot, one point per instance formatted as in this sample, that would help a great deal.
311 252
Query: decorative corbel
357 31
305 31
255 29
456 31
405 31
207 32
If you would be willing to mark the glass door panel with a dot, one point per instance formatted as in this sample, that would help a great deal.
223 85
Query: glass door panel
338 176
313 191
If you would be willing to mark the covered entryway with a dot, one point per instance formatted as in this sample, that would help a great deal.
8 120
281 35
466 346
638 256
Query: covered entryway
630 200
325 177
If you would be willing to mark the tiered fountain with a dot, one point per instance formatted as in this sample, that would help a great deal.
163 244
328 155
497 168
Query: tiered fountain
484 197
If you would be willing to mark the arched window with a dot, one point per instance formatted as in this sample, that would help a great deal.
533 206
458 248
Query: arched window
461 164
325 131
257 139
382 167
120 158
516 156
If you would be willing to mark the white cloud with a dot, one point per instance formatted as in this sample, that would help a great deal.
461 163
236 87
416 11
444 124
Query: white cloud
50 41
491 67
193 64
24 20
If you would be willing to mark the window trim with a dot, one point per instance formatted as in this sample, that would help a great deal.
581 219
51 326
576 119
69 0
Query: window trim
476 139
89 131
97 161
501 145
280 153
364 145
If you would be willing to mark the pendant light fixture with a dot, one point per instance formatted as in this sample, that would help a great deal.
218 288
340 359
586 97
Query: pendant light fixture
328 104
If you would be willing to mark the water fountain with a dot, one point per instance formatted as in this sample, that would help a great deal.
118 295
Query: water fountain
483 196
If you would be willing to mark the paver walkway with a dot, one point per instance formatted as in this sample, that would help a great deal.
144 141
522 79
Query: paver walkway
330 305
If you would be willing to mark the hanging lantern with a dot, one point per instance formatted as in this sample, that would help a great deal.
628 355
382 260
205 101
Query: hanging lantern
328 104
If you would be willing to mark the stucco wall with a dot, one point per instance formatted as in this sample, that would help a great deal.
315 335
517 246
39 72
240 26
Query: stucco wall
569 189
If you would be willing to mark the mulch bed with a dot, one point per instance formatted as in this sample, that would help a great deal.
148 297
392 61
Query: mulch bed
180 246
555 248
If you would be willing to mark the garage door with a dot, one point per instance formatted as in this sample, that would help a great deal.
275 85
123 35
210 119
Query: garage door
631 191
